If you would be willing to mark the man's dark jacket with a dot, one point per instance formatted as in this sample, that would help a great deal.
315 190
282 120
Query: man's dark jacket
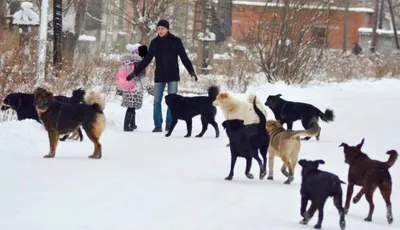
166 51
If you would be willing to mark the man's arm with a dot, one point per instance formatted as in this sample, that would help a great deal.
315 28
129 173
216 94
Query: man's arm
184 58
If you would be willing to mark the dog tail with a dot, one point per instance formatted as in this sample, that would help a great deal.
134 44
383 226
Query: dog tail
327 116
213 92
260 114
96 100
311 132
392 158
251 98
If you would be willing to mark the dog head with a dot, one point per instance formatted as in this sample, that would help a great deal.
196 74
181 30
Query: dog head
220 99
351 152
273 100
273 125
78 95
173 100
233 125
12 101
309 165
42 99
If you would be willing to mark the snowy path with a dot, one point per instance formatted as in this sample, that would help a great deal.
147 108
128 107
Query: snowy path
146 181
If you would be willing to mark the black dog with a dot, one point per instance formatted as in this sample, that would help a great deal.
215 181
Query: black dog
22 104
185 108
317 186
245 141
289 112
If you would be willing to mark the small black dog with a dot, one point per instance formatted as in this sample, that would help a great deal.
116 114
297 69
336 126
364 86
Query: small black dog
22 104
289 112
317 186
245 141
185 108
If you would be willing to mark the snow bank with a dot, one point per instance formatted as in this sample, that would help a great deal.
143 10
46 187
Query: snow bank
26 15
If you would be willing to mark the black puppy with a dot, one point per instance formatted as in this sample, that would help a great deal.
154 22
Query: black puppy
317 186
289 112
185 108
245 141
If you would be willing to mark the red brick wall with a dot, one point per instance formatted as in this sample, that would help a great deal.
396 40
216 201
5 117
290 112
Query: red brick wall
245 17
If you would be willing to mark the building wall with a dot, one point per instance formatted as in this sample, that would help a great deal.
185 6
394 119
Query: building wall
246 16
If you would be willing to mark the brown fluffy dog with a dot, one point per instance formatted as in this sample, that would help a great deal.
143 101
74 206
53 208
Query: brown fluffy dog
59 118
286 145
369 174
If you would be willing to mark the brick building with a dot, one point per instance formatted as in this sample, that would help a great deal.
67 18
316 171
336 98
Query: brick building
246 14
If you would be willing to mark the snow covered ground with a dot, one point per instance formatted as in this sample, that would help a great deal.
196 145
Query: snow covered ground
148 181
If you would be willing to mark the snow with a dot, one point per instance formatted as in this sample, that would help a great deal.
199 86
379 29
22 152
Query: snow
378 31
210 36
86 38
273 4
148 181
223 56
26 15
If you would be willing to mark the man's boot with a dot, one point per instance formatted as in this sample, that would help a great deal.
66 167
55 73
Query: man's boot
127 121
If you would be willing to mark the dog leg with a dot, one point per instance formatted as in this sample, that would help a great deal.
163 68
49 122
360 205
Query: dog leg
337 201
204 124
284 170
231 172
189 128
215 125
173 124
303 206
260 164
309 214
80 134
53 138
264 151
64 137
386 190
350 189
369 192
248 168
289 125
270 166
358 196
94 133
97 147
320 214
290 177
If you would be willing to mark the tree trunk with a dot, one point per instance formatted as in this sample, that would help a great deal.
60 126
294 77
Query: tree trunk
57 41
374 27
346 25
3 14
71 40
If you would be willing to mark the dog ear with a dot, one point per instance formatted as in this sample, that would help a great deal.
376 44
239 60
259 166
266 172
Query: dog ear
319 162
302 162
225 124
279 95
344 145
359 146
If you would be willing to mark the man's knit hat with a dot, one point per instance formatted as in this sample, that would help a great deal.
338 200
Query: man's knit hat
163 23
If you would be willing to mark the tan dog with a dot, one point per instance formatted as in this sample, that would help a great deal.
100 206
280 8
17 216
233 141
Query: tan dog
286 145
233 108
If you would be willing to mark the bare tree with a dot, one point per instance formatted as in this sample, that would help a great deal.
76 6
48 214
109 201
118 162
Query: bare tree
287 45
57 41
146 14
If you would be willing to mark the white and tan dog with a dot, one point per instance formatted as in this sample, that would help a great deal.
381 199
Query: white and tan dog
286 145
233 108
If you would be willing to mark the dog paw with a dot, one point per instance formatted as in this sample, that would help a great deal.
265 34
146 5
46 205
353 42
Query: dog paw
168 134
228 178
49 156
368 219
303 222
95 156
187 136
317 226
346 210
289 180
250 176
356 199
217 135
262 175
270 178
199 135
342 225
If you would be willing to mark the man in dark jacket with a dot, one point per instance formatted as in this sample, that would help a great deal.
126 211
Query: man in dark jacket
165 48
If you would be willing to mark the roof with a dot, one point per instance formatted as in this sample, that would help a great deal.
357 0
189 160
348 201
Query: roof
273 4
